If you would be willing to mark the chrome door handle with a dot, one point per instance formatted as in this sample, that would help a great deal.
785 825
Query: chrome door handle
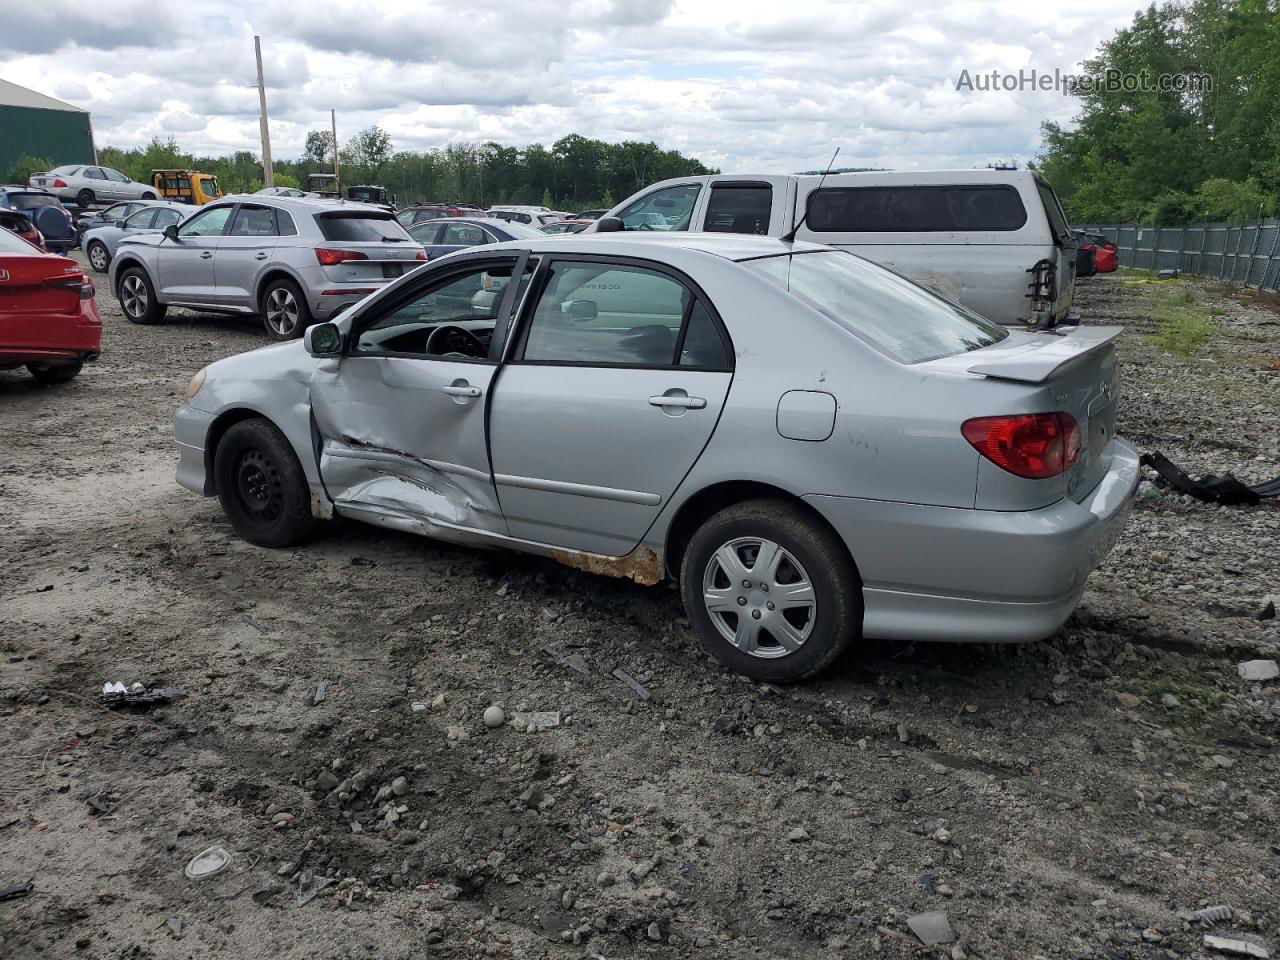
460 391
260 256
207 254
688 403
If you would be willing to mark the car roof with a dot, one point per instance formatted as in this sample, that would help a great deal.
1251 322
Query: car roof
317 204
729 246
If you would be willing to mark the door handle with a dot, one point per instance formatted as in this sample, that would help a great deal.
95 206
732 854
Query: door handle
457 390
687 403
261 255
207 254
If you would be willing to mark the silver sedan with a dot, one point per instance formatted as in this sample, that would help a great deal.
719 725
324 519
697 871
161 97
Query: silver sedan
87 184
814 447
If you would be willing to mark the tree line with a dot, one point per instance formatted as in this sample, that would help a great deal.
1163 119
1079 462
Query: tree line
574 172
1173 156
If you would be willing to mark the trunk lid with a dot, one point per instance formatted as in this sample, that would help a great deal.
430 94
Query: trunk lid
1076 370
386 249
39 284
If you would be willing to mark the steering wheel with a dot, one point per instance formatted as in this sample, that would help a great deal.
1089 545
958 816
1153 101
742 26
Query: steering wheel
451 340
644 226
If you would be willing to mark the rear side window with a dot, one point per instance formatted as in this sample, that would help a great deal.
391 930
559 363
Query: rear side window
285 226
739 208
360 228
1053 210
899 317
253 222
921 209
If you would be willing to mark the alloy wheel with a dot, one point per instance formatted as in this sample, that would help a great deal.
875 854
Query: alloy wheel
282 311
759 597
133 296
98 257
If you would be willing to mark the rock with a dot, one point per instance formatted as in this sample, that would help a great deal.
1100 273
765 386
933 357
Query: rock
399 786
1258 670
931 927
495 716
1170 701
904 735
326 781
567 900
1127 700
1237 948
798 835
654 932
438 702
531 797
606 880
1268 611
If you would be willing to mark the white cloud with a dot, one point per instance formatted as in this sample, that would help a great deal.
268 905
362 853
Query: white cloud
741 84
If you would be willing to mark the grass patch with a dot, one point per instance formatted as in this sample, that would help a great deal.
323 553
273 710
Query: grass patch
1184 331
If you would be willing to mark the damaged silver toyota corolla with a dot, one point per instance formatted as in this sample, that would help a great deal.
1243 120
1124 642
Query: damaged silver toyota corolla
815 447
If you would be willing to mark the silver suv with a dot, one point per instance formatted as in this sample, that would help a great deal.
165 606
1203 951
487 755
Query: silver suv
292 261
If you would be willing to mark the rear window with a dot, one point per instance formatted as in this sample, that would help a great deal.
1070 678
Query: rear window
894 314
920 209
739 208
32 201
11 243
361 227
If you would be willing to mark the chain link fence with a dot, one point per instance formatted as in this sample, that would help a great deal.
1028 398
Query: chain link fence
1244 254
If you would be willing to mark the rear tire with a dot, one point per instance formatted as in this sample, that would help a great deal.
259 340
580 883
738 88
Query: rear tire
53 374
285 313
261 486
784 623
84 197
98 255
149 196
138 298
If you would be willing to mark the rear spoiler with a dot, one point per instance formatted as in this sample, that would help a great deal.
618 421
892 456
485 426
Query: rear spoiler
1042 360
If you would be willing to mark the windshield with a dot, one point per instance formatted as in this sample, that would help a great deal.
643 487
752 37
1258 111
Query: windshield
360 227
905 320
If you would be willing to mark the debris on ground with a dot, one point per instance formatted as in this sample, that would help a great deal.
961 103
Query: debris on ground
534 721
175 927
573 660
1259 670
494 716
15 890
321 692
208 863
136 695
101 803
1236 948
640 689
1209 915
932 927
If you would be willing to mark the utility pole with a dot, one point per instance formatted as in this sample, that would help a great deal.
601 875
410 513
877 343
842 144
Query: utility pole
333 121
268 169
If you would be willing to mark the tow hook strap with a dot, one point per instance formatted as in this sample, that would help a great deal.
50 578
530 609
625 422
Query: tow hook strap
1210 488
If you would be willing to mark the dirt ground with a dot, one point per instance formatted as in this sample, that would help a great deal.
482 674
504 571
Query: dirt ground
1071 798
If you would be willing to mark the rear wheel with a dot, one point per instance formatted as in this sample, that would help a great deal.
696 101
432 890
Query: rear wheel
84 197
261 485
284 310
138 298
771 591
53 374
98 256
148 196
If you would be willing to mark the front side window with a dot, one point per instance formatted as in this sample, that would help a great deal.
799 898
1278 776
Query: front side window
166 217
254 222
454 317
464 234
209 223
903 319
915 209
141 219
667 209
739 208
597 313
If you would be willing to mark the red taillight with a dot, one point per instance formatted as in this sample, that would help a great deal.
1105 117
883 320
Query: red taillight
59 183
1034 445
73 281
422 255
86 289
331 258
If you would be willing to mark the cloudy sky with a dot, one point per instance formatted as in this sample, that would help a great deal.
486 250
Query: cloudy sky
751 85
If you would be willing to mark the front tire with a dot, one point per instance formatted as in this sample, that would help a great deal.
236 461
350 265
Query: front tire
99 256
261 486
53 374
285 313
138 298
771 591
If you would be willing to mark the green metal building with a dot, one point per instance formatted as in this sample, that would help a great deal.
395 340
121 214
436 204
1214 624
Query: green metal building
32 124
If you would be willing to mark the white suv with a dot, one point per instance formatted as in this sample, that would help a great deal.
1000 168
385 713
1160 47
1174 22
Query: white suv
534 216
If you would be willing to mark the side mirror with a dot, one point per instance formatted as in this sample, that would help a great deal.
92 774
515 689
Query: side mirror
580 311
171 231
323 340
610 225
117 223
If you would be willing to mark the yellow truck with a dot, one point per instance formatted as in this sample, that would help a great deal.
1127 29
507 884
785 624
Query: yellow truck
186 186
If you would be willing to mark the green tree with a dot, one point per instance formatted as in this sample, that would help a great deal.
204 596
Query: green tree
25 166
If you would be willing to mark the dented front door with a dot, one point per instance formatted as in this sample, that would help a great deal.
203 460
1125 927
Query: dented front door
401 417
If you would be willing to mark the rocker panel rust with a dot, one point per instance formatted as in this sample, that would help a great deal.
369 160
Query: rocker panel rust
643 565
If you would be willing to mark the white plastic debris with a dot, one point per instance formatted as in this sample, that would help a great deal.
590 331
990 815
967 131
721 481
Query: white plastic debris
931 927
1237 948
208 863
535 721
1258 670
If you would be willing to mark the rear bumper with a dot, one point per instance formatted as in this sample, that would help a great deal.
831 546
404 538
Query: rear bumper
50 338
940 573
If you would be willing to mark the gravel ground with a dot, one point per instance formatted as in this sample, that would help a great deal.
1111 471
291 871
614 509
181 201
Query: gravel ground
1069 798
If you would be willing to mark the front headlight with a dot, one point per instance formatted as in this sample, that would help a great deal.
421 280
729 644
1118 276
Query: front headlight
196 383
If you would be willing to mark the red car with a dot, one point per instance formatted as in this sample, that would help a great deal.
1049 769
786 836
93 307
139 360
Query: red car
23 227
1105 258
48 316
